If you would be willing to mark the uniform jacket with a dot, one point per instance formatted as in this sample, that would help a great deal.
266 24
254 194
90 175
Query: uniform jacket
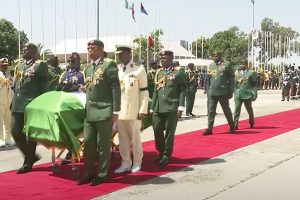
30 81
102 90
169 92
221 79
192 80
6 92
245 84
134 91
54 76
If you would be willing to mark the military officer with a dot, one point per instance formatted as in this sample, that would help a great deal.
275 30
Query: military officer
134 107
167 105
73 78
245 91
54 72
191 89
150 75
102 107
221 86
6 94
31 80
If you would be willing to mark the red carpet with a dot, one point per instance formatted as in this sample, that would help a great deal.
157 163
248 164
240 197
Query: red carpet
190 148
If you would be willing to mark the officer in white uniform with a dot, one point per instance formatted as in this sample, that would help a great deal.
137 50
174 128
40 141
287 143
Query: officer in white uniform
134 106
6 94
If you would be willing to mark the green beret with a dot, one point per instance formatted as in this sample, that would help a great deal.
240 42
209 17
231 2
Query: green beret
98 43
122 48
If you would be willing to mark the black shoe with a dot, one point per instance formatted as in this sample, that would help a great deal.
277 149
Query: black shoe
67 159
231 130
236 128
84 180
282 99
159 158
192 115
188 114
24 169
207 132
251 125
97 181
164 161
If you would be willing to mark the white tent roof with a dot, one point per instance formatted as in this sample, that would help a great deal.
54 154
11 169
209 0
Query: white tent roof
109 44
197 62
177 49
293 59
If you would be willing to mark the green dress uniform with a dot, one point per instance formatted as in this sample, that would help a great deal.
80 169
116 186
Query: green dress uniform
168 98
221 86
31 80
191 89
151 84
103 98
245 92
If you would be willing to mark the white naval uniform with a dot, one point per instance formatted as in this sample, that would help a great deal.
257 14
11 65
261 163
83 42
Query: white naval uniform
6 95
134 100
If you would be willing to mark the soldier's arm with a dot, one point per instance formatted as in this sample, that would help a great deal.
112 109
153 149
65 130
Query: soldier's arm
144 94
181 89
254 85
230 69
112 76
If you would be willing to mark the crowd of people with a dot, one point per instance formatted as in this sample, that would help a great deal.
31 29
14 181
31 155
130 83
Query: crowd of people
119 95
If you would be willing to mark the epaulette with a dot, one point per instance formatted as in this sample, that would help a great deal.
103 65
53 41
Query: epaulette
108 60
39 61
178 68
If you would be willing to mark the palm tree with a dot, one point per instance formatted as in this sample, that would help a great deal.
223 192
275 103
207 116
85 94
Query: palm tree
43 54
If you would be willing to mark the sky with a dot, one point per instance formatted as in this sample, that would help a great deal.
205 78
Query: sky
51 21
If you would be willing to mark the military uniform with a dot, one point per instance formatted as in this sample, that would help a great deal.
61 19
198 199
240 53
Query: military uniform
103 98
191 89
6 94
134 101
168 98
245 92
54 76
71 80
150 76
31 80
221 86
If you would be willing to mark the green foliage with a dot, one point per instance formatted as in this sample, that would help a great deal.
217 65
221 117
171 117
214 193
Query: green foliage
9 40
232 43
141 45
43 55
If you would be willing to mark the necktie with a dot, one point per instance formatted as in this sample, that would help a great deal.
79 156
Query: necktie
94 65
124 68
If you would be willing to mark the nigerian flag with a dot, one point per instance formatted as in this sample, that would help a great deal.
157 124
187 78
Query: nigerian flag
56 119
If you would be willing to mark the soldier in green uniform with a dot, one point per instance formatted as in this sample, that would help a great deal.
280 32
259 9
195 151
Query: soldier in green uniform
31 80
221 86
54 72
102 105
150 76
245 91
191 89
167 105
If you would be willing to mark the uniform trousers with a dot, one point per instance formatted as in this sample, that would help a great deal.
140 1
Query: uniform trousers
26 145
213 102
97 144
237 111
129 134
5 116
164 141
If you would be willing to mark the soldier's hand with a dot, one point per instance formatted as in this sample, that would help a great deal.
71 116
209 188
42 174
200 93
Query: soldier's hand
115 117
141 116
179 113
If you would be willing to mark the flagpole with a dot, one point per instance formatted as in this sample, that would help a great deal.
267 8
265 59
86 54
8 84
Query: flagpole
87 30
19 33
30 20
43 35
55 27
202 50
64 23
76 37
97 20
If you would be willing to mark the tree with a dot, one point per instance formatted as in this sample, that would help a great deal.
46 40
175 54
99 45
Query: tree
199 47
9 40
232 43
43 54
141 45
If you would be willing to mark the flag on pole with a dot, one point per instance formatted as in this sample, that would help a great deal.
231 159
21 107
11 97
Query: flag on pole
132 11
127 5
150 41
254 34
143 10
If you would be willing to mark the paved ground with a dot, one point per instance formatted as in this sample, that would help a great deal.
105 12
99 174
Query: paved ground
268 170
